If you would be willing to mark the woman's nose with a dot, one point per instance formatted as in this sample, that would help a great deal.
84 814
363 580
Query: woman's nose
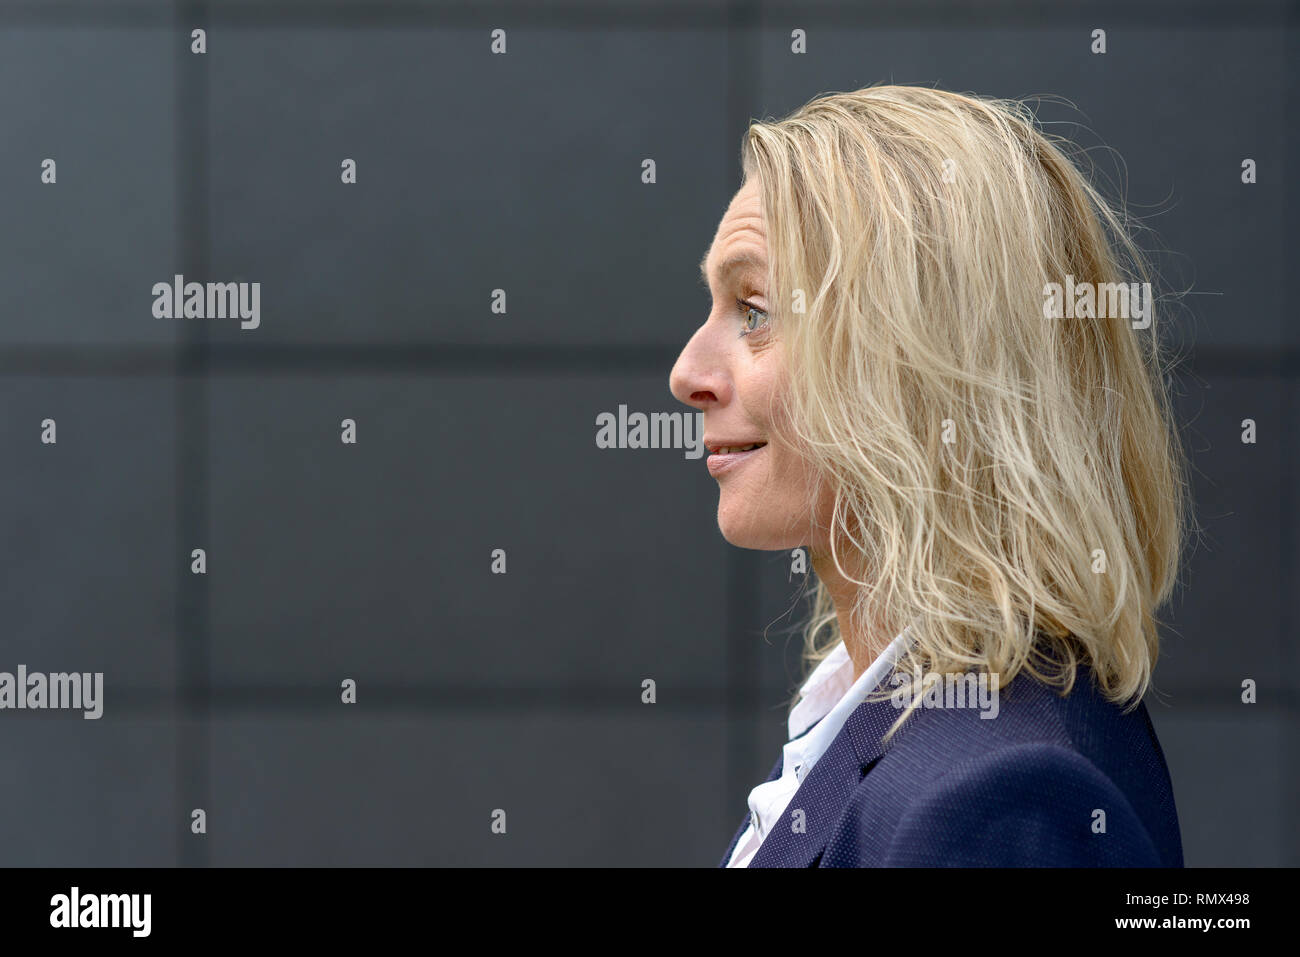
696 379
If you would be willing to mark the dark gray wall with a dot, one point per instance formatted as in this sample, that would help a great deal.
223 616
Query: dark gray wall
476 431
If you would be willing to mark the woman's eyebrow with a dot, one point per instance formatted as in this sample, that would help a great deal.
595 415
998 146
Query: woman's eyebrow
744 260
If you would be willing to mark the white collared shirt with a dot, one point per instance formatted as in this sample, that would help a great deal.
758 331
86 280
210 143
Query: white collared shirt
826 700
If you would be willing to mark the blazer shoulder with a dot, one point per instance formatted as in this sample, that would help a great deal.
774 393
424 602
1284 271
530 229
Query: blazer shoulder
1024 805
1035 804
1050 779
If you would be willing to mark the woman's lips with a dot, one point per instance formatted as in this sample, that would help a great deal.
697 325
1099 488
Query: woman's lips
720 462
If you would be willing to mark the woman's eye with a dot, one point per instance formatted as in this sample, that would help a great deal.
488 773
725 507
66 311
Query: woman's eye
752 319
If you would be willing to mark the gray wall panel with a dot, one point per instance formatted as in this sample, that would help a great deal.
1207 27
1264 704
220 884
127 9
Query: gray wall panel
477 430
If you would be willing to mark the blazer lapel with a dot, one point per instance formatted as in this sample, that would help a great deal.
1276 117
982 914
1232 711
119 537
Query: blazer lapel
823 794
735 838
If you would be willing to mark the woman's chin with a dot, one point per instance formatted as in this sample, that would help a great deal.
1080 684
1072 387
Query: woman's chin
753 535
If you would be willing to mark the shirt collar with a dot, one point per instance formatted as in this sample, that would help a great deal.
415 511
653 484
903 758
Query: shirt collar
828 698
831 688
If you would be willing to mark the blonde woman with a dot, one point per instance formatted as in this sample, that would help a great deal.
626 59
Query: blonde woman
920 364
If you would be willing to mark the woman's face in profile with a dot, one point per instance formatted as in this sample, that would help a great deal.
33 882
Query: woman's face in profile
732 370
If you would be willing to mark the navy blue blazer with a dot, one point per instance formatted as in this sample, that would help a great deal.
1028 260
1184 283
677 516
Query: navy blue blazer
954 789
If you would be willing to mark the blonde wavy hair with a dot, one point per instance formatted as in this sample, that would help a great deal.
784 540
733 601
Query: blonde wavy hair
918 229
